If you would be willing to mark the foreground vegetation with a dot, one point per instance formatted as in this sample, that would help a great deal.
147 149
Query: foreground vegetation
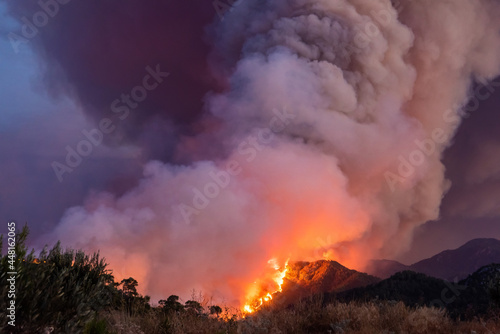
67 291
307 317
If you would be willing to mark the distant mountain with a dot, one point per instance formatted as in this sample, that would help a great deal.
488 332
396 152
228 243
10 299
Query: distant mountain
476 295
460 262
450 265
385 268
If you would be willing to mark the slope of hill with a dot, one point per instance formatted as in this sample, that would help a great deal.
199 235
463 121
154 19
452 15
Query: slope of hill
481 292
407 286
476 295
304 279
327 276
459 263
451 265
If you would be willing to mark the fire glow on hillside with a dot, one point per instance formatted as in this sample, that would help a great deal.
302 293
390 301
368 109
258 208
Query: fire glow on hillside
328 122
262 292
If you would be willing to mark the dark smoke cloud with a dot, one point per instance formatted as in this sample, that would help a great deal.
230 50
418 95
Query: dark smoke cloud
470 208
97 50
474 160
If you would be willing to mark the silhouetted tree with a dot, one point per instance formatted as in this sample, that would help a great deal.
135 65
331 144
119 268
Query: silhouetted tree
494 287
171 304
59 289
214 309
194 307
129 288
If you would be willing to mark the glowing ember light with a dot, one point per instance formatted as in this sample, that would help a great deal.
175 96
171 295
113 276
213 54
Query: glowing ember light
258 297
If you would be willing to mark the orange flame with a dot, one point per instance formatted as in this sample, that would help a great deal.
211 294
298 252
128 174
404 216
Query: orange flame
258 296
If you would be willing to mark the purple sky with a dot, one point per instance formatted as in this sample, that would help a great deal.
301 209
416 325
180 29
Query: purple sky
64 79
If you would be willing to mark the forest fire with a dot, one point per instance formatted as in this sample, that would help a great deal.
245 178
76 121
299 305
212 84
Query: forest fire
262 292
36 261
316 131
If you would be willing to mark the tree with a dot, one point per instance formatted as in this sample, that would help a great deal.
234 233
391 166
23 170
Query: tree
134 302
494 287
129 286
171 304
194 307
215 309
129 289
59 289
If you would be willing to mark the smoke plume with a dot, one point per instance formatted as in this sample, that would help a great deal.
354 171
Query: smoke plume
328 141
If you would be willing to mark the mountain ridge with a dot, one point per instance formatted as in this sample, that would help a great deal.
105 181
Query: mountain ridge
451 264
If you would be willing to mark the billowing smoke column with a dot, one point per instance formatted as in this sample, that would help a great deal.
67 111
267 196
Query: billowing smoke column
333 123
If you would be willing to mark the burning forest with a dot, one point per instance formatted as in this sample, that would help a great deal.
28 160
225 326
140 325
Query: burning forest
258 151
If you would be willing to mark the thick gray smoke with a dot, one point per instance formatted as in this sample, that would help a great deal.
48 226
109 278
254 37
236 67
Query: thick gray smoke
334 123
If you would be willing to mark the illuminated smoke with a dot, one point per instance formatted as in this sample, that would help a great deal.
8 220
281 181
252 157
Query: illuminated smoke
333 124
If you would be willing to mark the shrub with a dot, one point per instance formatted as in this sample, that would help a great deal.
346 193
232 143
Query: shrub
58 289
96 326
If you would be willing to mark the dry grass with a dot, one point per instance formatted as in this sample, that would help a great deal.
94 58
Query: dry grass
156 322
309 317
383 317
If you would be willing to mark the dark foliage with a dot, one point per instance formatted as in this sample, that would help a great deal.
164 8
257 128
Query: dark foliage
59 289
171 304
477 295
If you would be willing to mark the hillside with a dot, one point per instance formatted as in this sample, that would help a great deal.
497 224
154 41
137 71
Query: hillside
327 276
476 295
407 286
305 279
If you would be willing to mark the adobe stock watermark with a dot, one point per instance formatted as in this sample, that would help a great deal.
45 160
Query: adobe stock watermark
363 37
11 274
224 6
448 294
30 28
426 147
248 149
122 107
